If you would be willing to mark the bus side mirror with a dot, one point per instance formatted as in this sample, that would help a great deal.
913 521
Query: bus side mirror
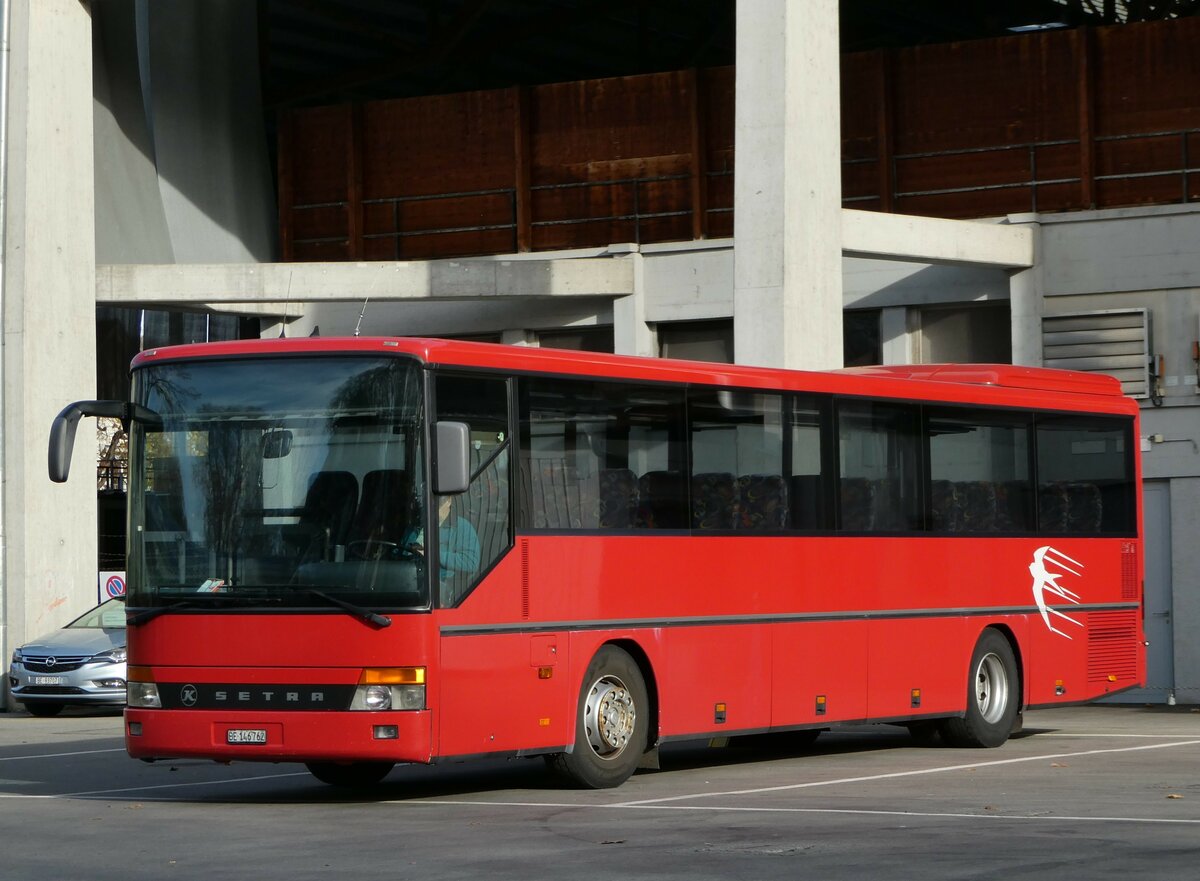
62 432
453 458
276 444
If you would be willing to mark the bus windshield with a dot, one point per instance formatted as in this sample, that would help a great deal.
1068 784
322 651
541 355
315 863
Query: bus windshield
282 482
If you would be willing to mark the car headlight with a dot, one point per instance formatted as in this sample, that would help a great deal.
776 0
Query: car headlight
17 657
112 656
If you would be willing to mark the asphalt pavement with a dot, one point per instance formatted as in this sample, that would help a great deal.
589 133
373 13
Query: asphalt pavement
1088 792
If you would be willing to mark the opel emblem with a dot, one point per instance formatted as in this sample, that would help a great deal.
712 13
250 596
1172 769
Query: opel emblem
188 695
51 661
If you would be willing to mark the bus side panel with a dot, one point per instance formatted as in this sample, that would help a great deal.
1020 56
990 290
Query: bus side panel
504 692
929 656
820 672
719 678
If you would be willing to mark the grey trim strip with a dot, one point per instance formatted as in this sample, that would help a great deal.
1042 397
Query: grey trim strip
783 618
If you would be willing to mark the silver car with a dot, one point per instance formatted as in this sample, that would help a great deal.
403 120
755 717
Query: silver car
81 665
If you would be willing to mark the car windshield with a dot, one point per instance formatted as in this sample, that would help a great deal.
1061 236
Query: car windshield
109 615
277 482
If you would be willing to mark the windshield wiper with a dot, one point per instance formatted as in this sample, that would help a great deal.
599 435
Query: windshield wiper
358 611
212 601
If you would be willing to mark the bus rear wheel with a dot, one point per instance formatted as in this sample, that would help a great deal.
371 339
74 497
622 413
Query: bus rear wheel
611 722
993 696
355 775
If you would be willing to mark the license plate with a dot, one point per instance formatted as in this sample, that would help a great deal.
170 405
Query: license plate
246 735
49 680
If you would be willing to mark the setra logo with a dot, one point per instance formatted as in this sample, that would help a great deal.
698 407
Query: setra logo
1048 566
188 695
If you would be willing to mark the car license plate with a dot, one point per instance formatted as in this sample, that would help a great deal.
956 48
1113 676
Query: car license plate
49 680
246 735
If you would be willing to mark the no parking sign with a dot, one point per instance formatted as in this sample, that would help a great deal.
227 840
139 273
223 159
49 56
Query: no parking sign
111 584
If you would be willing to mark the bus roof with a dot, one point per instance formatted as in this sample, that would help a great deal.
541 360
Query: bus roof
968 383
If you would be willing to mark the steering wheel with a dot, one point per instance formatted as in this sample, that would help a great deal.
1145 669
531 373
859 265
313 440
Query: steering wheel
372 549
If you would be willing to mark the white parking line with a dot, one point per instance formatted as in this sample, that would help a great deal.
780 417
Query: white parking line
84 752
1040 735
634 806
97 793
940 770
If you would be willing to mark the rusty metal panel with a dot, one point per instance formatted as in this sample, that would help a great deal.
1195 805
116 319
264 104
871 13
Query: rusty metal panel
583 130
860 180
612 157
1148 77
439 144
975 203
862 100
321 144
986 93
717 93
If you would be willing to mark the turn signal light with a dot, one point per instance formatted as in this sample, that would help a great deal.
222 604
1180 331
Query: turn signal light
392 676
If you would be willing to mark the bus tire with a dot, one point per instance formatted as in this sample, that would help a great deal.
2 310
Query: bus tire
355 775
611 721
993 696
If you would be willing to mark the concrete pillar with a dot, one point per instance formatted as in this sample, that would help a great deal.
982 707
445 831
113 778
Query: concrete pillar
787 190
49 317
1026 291
631 334
525 338
895 339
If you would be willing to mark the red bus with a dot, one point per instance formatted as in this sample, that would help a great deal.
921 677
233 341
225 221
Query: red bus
357 552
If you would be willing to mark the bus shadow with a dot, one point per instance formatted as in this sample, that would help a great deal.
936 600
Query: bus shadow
531 778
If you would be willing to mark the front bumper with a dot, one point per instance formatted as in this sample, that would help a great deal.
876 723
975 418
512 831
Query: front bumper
295 736
87 685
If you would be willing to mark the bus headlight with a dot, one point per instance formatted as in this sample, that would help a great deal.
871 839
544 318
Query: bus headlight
140 691
142 695
390 688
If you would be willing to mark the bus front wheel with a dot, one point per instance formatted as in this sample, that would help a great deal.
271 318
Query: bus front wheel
611 722
354 775
993 696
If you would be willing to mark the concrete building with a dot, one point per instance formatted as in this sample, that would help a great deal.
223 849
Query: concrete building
141 172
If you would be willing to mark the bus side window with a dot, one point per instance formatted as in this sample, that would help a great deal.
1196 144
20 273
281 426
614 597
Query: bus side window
737 479
878 466
482 403
1085 476
979 472
601 455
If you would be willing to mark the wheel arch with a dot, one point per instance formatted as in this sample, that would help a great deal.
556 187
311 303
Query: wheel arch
635 650
1010 636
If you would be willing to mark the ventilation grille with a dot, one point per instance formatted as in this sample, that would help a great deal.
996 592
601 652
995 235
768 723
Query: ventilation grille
1129 572
1112 645
524 579
1111 341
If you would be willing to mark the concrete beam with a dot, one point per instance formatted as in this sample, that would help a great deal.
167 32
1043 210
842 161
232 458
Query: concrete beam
879 236
179 285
